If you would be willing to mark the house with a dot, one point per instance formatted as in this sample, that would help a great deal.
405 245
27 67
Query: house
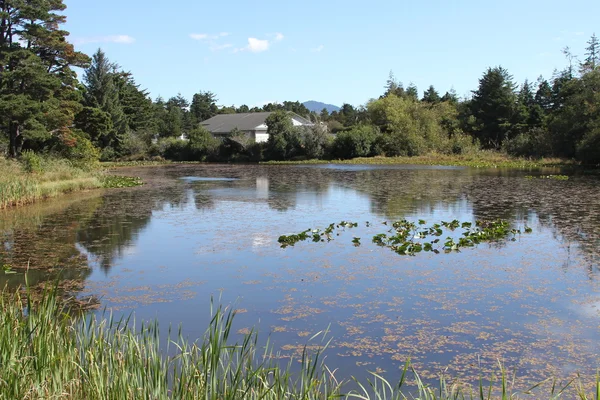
252 124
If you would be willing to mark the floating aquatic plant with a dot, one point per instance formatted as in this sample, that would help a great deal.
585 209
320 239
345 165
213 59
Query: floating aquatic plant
118 181
409 238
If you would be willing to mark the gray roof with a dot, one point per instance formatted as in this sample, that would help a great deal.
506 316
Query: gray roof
225 123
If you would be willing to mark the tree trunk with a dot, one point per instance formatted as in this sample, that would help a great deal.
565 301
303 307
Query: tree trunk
16 140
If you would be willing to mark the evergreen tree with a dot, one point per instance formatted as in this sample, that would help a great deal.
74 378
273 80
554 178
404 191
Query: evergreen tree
243 109
493 106
38 98
204 106
592 53
136 104
543 95
324 115
450 96
102 92
412 92
431 96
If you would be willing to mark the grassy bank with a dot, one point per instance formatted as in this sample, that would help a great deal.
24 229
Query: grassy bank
20 184
480 159
46 354
25 182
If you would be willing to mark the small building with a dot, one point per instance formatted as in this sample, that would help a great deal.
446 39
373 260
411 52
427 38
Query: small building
252 124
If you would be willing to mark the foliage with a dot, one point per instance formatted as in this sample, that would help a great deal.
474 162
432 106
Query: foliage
315 140
32 163
118 181
37 85
533 143
284 141
357 142
409 238
53 177
201 145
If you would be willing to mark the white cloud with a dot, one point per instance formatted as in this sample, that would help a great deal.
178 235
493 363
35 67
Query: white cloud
198 36
217 47
121 39
318 49
204 36
256 45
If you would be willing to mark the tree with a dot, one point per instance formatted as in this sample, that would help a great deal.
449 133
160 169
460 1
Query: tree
243 109
431 96
136 104
543 95
324 115
284 141
592 52
392 86
450 96
493 106
203 107
38 96
412 92
102 93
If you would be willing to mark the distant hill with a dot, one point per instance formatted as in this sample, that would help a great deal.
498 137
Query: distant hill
317 106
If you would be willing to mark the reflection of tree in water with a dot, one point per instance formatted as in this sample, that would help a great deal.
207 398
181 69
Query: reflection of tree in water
396 193
118 221
42 237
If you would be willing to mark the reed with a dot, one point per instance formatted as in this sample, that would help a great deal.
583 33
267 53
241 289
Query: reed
48 352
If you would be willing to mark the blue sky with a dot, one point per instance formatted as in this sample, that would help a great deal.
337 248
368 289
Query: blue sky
253 52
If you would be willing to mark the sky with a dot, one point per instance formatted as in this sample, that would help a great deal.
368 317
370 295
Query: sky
261 51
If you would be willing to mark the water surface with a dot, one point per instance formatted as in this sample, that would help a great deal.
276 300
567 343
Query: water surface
193 232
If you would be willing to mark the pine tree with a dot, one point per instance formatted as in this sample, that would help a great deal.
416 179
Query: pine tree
38 98
431 96
102 92
592 52
493 106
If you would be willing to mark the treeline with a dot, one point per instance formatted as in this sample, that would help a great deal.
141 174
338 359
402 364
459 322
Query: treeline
107 116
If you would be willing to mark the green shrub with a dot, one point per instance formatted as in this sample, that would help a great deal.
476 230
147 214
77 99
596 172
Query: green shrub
315 139
201 146
402 144
31 162
173 149
82 153
461 143
533 143
108 154
133 145
357 142
588 149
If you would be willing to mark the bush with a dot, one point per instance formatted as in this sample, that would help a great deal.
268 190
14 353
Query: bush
588 149
533 143
108 154
315 139
357 142
402 144
133 145
172 149
200 146
31 162
461 143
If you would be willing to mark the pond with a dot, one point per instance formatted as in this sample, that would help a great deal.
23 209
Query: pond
194 232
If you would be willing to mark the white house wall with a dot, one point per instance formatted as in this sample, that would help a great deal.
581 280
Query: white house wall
261 136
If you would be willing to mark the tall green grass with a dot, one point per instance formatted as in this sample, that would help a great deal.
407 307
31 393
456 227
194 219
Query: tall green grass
21 184
48 353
